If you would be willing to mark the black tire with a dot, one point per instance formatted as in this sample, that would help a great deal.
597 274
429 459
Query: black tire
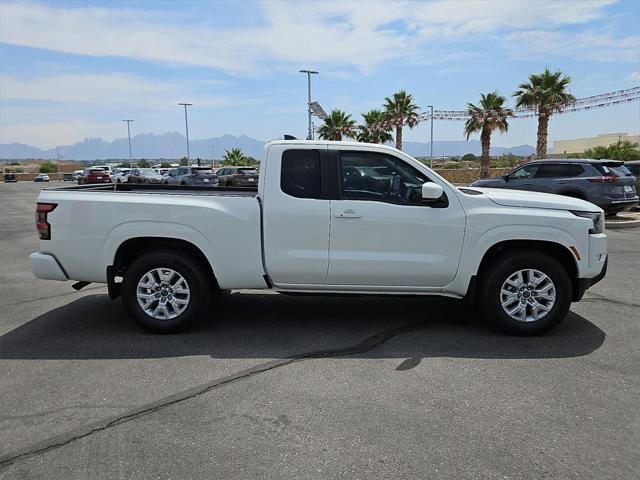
197 278
501 269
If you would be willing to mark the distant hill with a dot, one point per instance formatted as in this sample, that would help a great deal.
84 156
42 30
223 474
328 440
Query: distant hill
172 145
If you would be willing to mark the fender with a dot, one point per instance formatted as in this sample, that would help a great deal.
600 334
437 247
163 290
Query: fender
472 256
129 230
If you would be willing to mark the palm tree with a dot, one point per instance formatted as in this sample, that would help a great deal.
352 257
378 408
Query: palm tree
373 129
547 93
337 125
233 157
484 122
401 111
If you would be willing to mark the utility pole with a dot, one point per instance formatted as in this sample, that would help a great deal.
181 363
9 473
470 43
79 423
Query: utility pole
129 135
186 124
431 154
309 73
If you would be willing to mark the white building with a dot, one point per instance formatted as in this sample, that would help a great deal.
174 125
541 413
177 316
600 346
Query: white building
579 145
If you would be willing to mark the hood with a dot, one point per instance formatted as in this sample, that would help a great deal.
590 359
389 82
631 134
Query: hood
521 198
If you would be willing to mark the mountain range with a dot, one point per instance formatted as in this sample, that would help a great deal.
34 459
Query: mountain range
172 145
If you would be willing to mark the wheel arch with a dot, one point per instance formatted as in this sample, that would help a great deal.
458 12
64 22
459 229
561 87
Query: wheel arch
555 250
573 193
132 248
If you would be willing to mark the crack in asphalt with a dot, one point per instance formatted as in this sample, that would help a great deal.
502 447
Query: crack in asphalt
65 438
595 297
44 413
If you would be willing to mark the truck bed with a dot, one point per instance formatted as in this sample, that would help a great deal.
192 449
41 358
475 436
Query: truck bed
155 188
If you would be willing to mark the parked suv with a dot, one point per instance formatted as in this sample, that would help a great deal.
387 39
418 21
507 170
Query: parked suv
238 177
10 178
198 176
94 175
634 168
606 183
144 175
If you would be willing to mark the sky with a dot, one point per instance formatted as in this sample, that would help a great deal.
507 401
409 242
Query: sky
71 70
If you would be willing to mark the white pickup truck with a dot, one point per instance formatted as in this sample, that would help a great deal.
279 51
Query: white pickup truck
325 217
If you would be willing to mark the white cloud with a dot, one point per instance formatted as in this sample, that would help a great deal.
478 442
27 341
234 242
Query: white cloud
355 34
116 89
633 77
589 45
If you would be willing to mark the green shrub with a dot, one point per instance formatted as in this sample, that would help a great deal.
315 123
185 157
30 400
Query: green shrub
48 167
452 165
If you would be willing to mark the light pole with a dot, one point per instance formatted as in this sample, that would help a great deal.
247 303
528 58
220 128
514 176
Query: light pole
431 154
186 125
129 135
309 73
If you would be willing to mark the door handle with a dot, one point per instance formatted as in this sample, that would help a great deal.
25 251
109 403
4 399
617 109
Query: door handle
349 213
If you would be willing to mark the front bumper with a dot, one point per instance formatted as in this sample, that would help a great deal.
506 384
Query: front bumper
583 284
596 268
46 267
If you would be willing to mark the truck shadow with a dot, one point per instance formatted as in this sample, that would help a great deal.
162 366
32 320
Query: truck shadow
247 325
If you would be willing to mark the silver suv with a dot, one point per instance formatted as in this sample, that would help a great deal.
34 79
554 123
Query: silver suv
606 183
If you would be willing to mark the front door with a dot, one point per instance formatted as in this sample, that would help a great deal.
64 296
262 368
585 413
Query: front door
382 234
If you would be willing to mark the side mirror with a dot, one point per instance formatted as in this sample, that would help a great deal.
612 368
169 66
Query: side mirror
506 178
431 191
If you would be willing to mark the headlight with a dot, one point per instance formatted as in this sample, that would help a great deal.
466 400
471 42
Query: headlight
596 217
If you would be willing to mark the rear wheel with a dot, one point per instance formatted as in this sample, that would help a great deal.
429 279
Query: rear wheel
166 291
525 292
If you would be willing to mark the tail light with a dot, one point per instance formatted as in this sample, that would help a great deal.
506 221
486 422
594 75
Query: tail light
605 179
42 210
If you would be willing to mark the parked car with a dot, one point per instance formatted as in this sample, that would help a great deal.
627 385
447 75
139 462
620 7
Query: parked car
523 257
10 178
634 168
68 177
43 177
144 175
94 175
120 175
605 183
106 168
238 177
77 174
202 176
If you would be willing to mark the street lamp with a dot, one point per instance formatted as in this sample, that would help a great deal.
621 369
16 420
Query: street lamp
129 134
431 154
186 125
309 73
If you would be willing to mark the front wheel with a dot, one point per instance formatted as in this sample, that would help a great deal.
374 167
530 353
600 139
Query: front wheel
166 291
525 292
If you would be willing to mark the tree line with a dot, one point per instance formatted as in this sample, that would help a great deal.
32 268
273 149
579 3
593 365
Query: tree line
546 93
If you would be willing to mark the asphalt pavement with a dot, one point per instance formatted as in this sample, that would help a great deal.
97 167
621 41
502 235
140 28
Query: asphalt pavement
281 387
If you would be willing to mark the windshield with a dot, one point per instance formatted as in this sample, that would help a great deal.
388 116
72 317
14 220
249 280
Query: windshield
149 172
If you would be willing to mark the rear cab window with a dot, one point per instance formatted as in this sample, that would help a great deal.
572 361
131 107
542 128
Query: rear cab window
300 173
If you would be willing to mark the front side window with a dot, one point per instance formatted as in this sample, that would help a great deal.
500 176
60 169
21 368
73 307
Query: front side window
300 173
525 172
379 177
